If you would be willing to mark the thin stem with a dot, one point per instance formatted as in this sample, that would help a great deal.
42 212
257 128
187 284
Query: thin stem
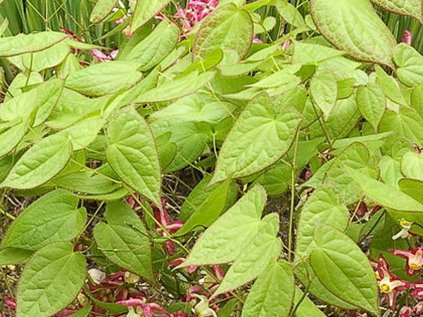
292 206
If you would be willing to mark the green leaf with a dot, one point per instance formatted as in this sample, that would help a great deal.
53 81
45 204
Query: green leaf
332 174
124 240
272 293
321 207
101 10
104 78
305 53
40 163
224 240
389 86
11 134
40 99
83 133
306 308
385 195
14 256
190 139
413 8
260 137
410 65
145 10
82 312
213 203
227 28
324 90
53 217
354 27
412 165
372 103
290 13
344 269
240 236
50 281
405 125
176 88
132 153
250 263
39 61
27 43
155 47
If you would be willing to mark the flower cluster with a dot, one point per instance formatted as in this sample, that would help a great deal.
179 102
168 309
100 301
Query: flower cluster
195 11
390 285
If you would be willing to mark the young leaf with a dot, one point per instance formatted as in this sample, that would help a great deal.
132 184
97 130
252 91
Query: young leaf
260 137
253 259
83 133
225 239
145 10
214 201
321 207
104 78
410 62
40 163
27 43
412 165
11 133
50 281
290 13
389 86
177 88
354 27
227 28
101 10
324 90
344 269
132 153
53 217
372 103
272 293
155 47
413 8
124 241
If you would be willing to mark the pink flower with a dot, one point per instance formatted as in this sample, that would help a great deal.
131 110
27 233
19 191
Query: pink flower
406 312
99 56
414 259
195 11
179 261
148 309
407 37
417 292
388 283
418 309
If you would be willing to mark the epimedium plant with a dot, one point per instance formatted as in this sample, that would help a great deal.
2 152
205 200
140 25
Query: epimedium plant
152 175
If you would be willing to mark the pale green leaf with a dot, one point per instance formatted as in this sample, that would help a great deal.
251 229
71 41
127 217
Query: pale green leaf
40 163
389 86
176 88
50 281
344 269
259 138
272 293
225 239
145 10
123 239
227 28
385 195
324 90
27 43
412 165
101 10
83 133
104 78
155 47
413 8
372 103
354 27
53 217
132 153
11 133
410 65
